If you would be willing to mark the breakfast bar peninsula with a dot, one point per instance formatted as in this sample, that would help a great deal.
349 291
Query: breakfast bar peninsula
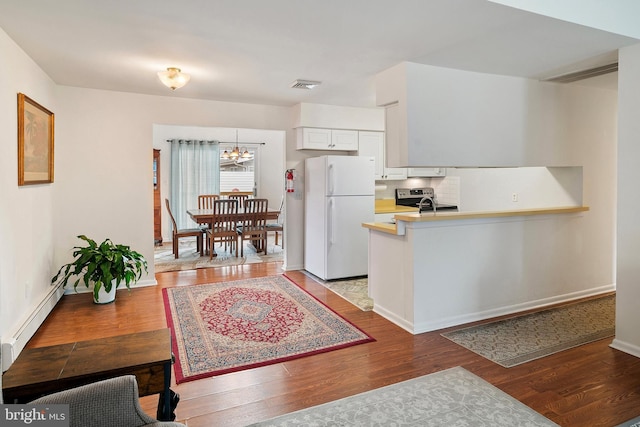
435 270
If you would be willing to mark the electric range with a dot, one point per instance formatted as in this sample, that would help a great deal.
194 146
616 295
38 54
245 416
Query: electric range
412 196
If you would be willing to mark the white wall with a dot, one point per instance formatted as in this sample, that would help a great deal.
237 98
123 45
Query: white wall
628 249
451 118
27 231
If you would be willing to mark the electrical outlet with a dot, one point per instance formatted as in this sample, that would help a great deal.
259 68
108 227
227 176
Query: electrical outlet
514 197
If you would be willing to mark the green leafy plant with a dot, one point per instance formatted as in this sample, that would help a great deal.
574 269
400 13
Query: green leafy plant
103 265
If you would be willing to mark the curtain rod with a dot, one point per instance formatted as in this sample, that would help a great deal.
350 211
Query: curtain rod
212 141
241 143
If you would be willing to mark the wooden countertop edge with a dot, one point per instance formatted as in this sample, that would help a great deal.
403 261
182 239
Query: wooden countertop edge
444 216
395 210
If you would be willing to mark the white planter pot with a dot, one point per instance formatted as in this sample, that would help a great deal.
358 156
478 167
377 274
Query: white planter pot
105 297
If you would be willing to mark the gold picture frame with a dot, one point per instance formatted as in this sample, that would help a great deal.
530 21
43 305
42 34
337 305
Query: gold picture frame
35 142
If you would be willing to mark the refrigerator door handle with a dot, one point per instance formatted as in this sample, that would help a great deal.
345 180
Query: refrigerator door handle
330 179
330 221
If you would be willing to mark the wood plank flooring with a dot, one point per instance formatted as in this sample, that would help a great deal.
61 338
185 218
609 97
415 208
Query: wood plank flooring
592 385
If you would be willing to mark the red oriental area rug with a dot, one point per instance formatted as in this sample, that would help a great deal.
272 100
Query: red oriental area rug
225 327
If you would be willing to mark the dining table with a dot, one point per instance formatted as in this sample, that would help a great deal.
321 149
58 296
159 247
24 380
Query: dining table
205 216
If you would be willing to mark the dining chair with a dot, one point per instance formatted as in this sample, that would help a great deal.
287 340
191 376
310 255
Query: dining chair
278 226
223 225
205 201
239 197
184 232
253 224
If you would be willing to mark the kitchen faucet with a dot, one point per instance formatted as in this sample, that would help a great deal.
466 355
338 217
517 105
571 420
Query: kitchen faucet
421 204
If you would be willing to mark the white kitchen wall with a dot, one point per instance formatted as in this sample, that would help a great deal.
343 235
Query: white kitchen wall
490 189
628 202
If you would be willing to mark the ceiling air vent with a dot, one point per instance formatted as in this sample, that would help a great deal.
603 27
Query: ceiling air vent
584 74
304 84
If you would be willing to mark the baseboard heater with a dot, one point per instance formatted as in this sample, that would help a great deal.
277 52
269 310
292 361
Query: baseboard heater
12 347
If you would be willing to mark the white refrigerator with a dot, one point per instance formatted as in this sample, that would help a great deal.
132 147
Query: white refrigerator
339 196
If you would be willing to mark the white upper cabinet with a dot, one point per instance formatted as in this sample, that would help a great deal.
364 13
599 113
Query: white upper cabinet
373 144
327 139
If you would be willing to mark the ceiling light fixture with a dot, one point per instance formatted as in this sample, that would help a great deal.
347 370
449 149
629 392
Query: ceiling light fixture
305 84
173 78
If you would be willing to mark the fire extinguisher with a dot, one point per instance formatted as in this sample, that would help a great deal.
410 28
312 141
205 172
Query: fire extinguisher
289 175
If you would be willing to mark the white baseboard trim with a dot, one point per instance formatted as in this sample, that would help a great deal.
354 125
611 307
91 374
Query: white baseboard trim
390 316
447 322
139 284
626 347
12 347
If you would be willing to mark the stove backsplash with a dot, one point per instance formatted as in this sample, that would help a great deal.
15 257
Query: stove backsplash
447 189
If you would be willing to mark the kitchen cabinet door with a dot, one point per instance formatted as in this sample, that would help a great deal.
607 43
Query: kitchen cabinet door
373 144
314 139
327 139
346 140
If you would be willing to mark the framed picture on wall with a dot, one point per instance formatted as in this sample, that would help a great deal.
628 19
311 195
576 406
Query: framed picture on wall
35 142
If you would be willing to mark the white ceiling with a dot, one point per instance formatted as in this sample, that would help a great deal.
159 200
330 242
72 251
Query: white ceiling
252 50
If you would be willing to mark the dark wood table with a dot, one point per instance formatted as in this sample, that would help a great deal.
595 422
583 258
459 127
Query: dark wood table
45 370
203 216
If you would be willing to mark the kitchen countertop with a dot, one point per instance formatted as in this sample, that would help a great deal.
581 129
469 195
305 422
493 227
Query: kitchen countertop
452 215
386 206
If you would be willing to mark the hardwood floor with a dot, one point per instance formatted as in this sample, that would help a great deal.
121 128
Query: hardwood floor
592 385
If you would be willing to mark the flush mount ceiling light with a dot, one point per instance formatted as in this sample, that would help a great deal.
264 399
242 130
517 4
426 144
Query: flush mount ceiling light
305 84
173 78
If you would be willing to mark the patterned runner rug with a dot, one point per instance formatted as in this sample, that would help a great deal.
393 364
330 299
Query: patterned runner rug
356 291
454 397
517 340
230 326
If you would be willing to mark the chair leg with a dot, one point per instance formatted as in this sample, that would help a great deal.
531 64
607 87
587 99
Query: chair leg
175 246
211 247
276 238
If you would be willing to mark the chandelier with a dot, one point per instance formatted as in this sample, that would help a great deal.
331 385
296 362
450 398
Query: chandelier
236 152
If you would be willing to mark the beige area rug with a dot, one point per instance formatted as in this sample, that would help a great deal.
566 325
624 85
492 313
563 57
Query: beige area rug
453 397
517 340
190 259
356 290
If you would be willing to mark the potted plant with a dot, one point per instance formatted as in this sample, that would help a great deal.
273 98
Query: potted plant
105 266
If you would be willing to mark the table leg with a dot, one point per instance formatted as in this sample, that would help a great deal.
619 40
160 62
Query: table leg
164 403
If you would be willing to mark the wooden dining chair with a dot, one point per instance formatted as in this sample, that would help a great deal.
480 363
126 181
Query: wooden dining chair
184 232
278 226
205 201
253 224
223 225
239 197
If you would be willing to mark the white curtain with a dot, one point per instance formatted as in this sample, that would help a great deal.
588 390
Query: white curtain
195 170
